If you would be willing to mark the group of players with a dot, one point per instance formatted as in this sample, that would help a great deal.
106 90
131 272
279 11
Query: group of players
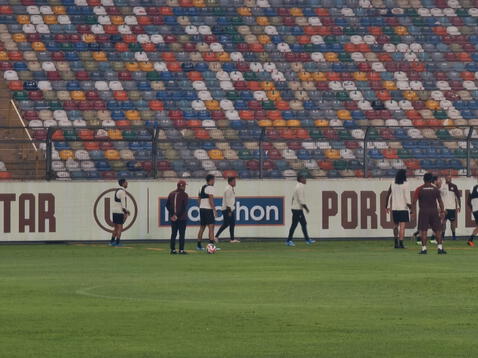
438 201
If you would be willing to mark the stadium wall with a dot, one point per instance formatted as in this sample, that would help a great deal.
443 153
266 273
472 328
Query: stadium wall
76 211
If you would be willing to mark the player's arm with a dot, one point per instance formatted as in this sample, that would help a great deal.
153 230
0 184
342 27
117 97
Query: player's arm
440 203
468 201
301 197
122 196
211 202
457 197
415 197
227 200
388 203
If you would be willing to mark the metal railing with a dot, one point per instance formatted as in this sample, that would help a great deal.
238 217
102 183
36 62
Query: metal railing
262 152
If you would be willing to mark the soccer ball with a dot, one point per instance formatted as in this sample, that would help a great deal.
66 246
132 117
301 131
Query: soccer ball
211 249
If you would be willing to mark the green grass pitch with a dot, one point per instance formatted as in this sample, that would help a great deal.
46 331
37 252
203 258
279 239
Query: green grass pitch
250 300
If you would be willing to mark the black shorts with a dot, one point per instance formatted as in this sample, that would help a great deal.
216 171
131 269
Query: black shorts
475 215
400 216
206 217
450 214
118 219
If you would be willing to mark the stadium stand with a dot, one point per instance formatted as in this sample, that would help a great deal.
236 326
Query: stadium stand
186 87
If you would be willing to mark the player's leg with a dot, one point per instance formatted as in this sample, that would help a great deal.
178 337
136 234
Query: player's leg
423 224
295 222
401 234
210 228
475 230
182 235
232 226
200 233
174 233
453 228
119 231
303 225
113 235
225 223
423 238
436 226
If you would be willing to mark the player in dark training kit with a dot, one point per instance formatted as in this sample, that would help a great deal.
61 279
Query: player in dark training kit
429 216
473 204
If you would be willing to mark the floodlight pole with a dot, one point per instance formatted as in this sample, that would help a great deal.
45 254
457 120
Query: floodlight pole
261 154
365 157
468 152
49 154
154 152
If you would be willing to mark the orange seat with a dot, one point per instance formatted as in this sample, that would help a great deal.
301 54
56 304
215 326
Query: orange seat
117 20
146 66
66 154
58 135
133 115
293 123
321 123
15 85
23 19
91 145
114 134
264 123
132 66
195 76
282 105
112 154
86 134
156 105
246 115
279 123
120 95
50 19
5 175
216 154
123 123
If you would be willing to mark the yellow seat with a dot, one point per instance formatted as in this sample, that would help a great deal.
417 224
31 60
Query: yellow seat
432 104
295 11
410 95
132 66
448 122
199 3
114 134
50 19
293 123
66 154
305 76
332 154
212 105
133 115
321 123
268 86
23 19
216 154
99 56
262 20
344 115
389 85
38 46
88 38
4 56
223 57
244 11
112 154
78 95
279 123
265 123
273 95
360 76
401 30
59 10
331 57
19 37
117 20
263 39
319 76
146 66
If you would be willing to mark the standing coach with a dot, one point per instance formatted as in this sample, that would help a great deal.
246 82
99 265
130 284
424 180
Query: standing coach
177 206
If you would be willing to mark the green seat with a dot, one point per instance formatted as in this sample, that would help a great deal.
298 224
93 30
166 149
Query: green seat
442 134
316 133
250 76
344 57
233 95
67 46
135 46
342 96
129 134
344 135
91 20
244 154
440 114
237 20
403 153
117 165
268 105
69 134
474 153
54 105
373 134
340 164
460 153
411 12
20 95
152 76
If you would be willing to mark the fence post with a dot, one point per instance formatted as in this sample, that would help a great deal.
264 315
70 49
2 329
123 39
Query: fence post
468 152
49 153
154 153
261 154
365 156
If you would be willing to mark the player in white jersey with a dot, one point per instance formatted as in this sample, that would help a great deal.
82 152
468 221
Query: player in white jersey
120 212
452 200
399 203
473 204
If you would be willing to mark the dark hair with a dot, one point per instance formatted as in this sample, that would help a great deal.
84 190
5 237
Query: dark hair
300 176
209 177
435 178
121 181
428 177
401 176
231 179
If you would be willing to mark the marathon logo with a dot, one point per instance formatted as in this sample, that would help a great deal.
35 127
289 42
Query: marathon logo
249 211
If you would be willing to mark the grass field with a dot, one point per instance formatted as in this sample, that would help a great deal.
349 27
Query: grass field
251 300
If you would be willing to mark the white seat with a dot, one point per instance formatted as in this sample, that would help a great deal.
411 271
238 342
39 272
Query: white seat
72 165
57 165
82 154
208 164
88 165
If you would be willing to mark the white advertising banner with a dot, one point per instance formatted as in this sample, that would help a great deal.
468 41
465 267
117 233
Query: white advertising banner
75 211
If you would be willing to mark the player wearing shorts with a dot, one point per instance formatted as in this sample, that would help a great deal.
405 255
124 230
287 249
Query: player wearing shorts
207 210
398 202
120 212
452 200
473 204
429 215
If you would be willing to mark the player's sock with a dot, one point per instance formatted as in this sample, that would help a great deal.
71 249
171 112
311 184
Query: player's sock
453 234
117 241
440 247
113 238
400 243
199 245
472 237
424 248
396 243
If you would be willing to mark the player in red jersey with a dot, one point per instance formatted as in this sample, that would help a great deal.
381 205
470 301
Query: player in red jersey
429 216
